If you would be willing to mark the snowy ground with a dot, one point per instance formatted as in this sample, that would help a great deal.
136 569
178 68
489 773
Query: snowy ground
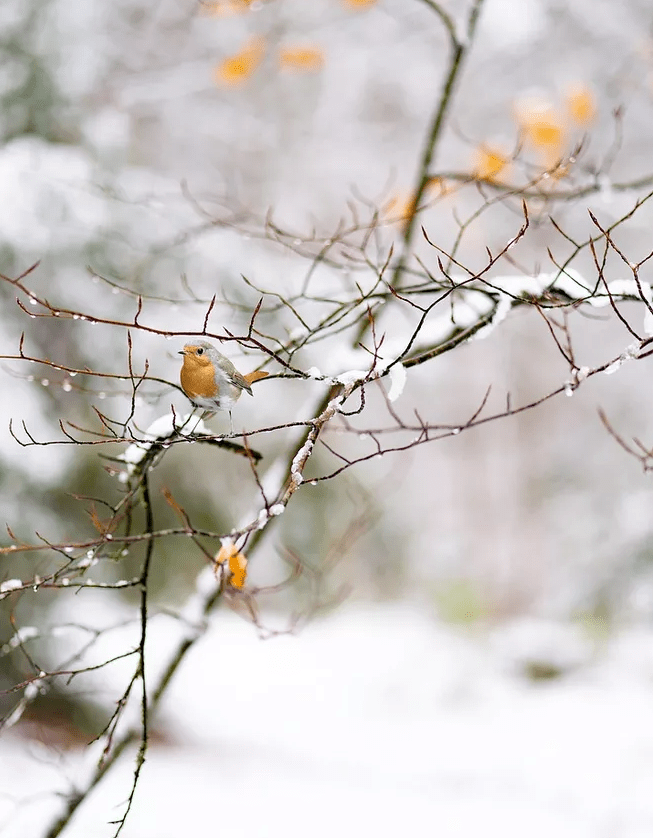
379 721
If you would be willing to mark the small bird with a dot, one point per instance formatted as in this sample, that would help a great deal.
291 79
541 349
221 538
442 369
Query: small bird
210 380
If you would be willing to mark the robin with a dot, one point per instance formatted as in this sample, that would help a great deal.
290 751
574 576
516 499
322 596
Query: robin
210 380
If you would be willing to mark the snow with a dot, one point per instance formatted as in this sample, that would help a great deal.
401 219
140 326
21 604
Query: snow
352 376
469 305
621 287
569 281
517 284
162 428
32 689
204 587
10 585
378 720
298 461
630 287
502 310
512 24
397 381
44 181
22 634
527 639
648 322
629 353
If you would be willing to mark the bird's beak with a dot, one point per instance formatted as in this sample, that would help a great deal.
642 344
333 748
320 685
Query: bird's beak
181 352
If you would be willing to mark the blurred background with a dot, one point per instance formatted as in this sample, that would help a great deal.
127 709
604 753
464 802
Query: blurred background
481 636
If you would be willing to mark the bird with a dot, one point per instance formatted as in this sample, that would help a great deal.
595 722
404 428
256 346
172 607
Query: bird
210 380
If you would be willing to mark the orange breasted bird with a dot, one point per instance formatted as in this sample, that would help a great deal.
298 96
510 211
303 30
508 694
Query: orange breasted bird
209 379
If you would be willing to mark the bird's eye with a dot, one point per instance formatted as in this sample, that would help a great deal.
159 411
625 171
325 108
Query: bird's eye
200 351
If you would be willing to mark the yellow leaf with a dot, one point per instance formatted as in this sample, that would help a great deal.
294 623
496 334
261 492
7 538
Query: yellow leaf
399 208
438 184
236 562
489 163
240 67
224 8
542 125
580 104
238 568
304 59
226 551
359 4
545 132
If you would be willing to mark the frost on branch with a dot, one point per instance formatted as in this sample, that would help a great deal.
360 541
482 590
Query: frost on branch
398 377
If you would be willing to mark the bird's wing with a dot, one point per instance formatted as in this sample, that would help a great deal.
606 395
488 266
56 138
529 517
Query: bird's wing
239 380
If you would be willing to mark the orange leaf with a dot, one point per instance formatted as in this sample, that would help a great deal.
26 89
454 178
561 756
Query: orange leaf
399 208
545 132
167 494
238 568
240 67
226 551
306 59
580 104
542 124
102 527
224 8
439 184
489 163
236 562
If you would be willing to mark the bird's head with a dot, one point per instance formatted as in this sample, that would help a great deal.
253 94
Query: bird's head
199 353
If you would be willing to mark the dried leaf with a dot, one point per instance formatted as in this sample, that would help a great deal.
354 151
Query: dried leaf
238 568
489 164
302 59
224 8
167 494
399 209
238 68
580 104
226 551
438 185
99 525
236 562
